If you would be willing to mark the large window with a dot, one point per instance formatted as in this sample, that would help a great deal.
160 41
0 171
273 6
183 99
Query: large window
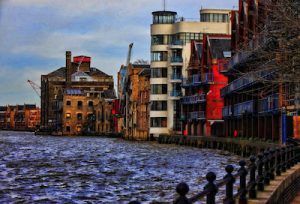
159 105
159 56
159 89
214 17
163 19
159 72
158 122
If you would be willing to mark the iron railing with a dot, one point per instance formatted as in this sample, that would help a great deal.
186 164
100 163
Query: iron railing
246 107
194 99
253 176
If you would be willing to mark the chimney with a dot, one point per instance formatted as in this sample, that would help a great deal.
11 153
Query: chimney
68 68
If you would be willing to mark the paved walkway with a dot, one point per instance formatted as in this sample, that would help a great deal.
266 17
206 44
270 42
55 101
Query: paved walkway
297 199
262 197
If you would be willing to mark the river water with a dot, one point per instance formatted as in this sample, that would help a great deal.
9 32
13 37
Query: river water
47 169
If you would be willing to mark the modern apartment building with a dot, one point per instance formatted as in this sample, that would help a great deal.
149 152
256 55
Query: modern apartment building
170 53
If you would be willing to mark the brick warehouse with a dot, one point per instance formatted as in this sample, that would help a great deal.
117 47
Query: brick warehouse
76 75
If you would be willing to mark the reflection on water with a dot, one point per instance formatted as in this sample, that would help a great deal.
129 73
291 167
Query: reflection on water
45 169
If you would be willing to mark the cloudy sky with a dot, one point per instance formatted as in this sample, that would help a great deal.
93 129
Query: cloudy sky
35 34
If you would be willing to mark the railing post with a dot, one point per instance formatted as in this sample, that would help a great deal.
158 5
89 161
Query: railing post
260 183
293 161
267 168
288 157
229 185
252 182
211 187
283 159
243 188
272 164
182 189
278 161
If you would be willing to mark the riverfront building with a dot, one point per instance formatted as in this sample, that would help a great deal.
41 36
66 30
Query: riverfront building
70 94
260 99
133 88
202 104
170 54
20 117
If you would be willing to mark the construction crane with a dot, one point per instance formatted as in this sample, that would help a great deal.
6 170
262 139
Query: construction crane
35 87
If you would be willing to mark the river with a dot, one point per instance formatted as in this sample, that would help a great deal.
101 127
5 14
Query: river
47 169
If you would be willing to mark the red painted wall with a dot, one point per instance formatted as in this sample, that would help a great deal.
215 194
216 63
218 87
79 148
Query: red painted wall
215 102
77 59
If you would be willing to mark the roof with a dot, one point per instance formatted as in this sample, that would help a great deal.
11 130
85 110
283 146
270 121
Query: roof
143 66
3 108
145 72
108 94
164 13
61 72
219 47
72 92
30 106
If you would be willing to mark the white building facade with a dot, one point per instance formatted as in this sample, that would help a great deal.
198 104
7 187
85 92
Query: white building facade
170 53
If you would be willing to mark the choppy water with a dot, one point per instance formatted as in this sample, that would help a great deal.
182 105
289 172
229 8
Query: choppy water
45 169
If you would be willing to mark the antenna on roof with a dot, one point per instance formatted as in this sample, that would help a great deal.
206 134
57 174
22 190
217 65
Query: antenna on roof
164 2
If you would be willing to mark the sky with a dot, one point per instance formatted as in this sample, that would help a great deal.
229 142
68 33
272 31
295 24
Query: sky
35 34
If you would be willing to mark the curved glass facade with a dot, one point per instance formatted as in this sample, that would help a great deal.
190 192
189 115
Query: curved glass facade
214 17
164 17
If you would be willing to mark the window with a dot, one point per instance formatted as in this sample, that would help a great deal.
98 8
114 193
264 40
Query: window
157 39
163 19
159 89
90 104
79 104
79 116
68 128
159 56
68 115
68 103
159 105
158 122
159 72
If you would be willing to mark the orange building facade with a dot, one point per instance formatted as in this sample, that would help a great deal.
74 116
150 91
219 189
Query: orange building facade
20 117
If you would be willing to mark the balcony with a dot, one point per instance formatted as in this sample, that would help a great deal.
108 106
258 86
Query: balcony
223 67
244 82
259 41
227 111
194 99
269 104
176 44
175 94
193 80
175 78
176 60
244 108
197 115
207 78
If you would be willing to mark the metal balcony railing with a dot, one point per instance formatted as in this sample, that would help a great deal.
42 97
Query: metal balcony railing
194 99
227 111
177 42
244 82
176 59
207 78
175 93
246 107
176 76
268 104
223 67
197 115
